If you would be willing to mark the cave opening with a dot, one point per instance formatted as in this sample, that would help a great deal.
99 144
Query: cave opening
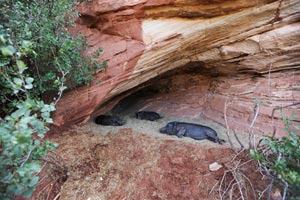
189 94
179 95
180 92
200 94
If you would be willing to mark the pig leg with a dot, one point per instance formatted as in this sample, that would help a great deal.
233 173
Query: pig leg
181 132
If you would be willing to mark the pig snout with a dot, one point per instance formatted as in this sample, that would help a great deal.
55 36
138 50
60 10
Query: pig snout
163 130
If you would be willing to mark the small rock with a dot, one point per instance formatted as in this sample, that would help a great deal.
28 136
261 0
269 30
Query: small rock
215 166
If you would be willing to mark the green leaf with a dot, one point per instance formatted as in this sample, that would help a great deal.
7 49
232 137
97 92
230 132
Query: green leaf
4 62
53 146
8 50
18 113
29 104
21 66
16 91
29 86
26 44
28 193
17 81
21 171
35 167
23 139
19 189
2 40
45 115
33 181
29 80
62 88
51 107
252 153
3 131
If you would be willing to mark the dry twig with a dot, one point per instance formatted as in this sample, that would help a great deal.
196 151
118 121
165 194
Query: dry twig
279 108
238 140
57 196
55 171
239 181
226 122
251 133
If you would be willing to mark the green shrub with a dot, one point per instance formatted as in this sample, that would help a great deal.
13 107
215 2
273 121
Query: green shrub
55 53
20 149
280 157
38 58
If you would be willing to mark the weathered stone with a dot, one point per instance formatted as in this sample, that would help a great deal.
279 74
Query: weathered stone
246 50
214 166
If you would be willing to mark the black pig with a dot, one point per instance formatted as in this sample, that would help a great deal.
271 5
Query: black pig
107 120
147 115
195 131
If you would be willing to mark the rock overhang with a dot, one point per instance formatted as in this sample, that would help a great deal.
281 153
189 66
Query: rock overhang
142 40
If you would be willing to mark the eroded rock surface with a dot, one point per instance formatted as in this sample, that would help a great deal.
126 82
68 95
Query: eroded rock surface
193 95
246 50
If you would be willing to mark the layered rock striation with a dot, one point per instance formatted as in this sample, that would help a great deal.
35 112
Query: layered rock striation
245 53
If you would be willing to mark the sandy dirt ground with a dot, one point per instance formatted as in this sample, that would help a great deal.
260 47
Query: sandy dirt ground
135 162
151 128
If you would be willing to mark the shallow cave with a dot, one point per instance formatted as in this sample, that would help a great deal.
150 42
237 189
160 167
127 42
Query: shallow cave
189 94
180 92
197 93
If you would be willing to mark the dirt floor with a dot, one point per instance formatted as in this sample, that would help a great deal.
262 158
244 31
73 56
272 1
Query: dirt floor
136 162
126 165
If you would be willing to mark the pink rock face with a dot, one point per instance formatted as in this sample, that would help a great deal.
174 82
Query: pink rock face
244 53
207 97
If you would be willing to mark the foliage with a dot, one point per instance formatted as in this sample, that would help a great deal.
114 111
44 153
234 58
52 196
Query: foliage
56 55
38 58
22 130
281 158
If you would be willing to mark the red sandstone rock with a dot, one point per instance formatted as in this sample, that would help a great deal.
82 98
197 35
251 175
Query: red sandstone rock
246 51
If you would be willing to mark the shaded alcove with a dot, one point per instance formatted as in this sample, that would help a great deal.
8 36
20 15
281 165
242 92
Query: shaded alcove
196 92
179 95
170 93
